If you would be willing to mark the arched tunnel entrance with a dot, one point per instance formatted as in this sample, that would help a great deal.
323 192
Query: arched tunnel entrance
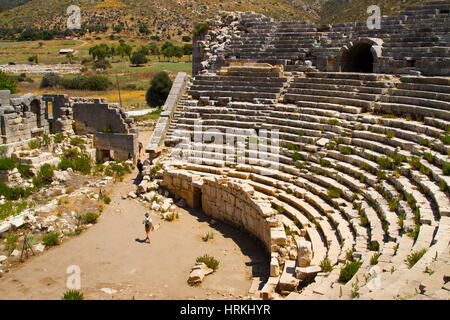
358 58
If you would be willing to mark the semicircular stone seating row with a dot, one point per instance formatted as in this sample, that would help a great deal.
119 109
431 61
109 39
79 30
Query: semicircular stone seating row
362 166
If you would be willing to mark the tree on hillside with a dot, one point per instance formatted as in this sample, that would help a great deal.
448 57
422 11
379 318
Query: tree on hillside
144 29
100 51
166 45
154 50
186 39
33 59
178 52
144 50
124 49
138 58
187 49
159 89
8 83
173 51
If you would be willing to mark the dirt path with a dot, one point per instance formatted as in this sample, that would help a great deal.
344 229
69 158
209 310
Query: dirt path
110 255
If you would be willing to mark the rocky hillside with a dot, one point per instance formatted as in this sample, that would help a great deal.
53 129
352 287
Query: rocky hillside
355 10
177 16
8 4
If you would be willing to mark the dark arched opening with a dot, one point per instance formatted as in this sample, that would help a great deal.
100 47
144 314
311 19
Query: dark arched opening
35 107
358 58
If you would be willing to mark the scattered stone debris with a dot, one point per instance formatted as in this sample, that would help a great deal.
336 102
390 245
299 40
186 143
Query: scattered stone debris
198 273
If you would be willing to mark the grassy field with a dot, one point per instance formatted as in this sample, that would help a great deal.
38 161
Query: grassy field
133 81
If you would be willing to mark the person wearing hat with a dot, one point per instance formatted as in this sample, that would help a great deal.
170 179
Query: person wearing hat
148 223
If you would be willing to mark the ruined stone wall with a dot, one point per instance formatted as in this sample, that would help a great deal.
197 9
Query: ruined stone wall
94 117
21 118
61 119
409 42
229 201
25 117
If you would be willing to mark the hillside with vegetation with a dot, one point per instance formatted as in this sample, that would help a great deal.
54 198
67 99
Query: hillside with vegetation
335 11
169 18
165 18
8 4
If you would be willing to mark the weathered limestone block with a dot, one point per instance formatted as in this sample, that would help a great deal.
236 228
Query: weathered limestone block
308 273
278 236
198 273
274 267
267 292
288 281
304 256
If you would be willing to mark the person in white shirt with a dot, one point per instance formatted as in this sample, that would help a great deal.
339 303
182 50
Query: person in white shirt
148 223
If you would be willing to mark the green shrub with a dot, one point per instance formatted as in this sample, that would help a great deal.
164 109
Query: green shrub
413 234
398 158
385 163
96 83
89 217
446 168
106 199
393 205
291 146
390 134
325 265
102 64
424 170
25 171
349 270
138 58
415 256
443 186
51 79
46 173
7 163
201 27
34 144
415 163
299 165
58 138
349 254
374 259
8 83
38 182
334 192
326 163
346 150
76 141
446 139
373 246
364 221
209 235
14 193
51 239
429 156
210 261
46 139
117 168
333 122
297 156
77 161
72 295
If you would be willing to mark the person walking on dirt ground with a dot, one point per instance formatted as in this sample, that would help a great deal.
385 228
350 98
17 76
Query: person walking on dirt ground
140 166
140 148
148 226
